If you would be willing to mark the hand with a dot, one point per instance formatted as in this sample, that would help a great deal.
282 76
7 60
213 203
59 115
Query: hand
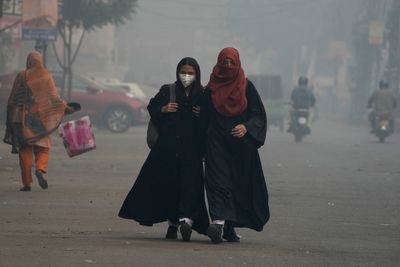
69 110
196 111
239 131
170 107
72 107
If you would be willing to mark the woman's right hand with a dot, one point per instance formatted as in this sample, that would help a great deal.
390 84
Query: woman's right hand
170 107
69 110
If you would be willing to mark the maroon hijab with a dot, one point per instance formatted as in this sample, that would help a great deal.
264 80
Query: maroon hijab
228 84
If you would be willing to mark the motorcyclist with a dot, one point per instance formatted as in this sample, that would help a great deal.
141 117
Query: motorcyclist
382 101
301 98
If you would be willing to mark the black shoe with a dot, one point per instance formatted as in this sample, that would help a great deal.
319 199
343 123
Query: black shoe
25 188
42 182
172 232
14 150
230 234
290 129
186 231
214 232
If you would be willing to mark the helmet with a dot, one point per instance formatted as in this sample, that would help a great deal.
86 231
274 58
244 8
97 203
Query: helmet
303 80
383 84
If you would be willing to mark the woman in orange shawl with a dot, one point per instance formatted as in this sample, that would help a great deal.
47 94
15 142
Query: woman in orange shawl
34 111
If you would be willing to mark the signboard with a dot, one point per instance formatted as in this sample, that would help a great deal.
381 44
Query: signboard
39 20
376 32
15 31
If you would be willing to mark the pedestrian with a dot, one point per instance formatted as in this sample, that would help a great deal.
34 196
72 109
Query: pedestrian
170 185
34 111
237 123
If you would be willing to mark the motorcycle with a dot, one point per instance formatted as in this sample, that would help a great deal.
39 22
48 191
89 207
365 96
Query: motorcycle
382 126
300 127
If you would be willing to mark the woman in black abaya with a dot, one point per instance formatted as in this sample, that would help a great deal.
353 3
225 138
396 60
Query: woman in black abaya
237 123
170 185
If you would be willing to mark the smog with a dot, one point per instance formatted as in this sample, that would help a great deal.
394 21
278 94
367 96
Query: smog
326 73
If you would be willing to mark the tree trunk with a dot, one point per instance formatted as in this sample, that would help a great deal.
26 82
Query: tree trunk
69 62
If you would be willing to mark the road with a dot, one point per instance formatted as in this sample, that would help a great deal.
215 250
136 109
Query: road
334 201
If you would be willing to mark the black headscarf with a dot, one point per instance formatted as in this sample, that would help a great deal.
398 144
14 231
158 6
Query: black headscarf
191 62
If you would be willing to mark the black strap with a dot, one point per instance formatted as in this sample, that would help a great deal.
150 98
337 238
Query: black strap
172 94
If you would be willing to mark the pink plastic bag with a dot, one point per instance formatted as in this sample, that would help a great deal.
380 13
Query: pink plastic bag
77 136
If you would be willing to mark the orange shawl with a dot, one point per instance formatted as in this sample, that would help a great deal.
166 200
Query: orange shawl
34 108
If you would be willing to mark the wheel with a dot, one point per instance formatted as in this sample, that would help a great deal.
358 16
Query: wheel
118 119
298 138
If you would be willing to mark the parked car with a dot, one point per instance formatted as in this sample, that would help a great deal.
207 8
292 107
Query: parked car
141 91
149 90
115 110
132 88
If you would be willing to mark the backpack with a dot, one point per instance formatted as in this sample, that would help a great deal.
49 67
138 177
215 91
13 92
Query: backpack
152 130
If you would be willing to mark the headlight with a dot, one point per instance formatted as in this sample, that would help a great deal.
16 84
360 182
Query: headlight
302 120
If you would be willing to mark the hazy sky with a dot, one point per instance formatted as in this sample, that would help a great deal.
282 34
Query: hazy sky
269 34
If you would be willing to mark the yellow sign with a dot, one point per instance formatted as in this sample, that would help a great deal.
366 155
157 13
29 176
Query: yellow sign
376 32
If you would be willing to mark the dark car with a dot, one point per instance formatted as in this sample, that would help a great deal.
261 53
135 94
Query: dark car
270 90
115 110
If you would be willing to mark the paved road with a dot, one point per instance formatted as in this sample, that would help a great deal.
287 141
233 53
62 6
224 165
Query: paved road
334 202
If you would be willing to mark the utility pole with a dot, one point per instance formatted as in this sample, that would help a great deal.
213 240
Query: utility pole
41 46
393 38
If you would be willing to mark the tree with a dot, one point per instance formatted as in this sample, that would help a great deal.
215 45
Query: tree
393 38
7 52
86 15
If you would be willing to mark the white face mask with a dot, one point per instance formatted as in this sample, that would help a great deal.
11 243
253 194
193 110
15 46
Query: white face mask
187 79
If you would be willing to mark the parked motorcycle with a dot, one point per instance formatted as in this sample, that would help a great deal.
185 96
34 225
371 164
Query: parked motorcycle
300 125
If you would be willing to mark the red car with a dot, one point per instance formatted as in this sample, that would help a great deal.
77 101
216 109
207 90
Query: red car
115 110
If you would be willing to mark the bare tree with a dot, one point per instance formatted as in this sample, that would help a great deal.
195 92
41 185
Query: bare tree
82 16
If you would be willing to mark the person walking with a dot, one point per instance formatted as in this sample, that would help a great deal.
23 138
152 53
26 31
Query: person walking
170 185
34 111
236 126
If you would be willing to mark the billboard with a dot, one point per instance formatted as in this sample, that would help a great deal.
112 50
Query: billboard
39 20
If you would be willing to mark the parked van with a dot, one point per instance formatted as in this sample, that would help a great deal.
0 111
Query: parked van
270 90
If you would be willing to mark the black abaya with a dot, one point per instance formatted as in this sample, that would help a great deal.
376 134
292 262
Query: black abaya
235 183
170 184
